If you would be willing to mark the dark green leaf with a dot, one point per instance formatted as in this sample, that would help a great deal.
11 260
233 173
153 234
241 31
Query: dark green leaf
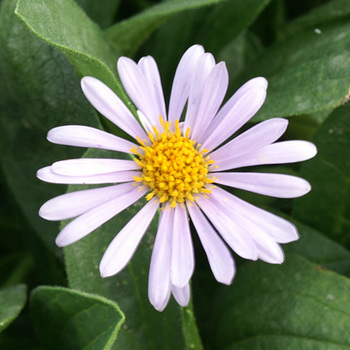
327 207
297 305
66 27
217 28
101 12
18 342
144 328
14 268
68 319
273 342
331 11
307 72
12 301
226 21
39 90
319 249
128 35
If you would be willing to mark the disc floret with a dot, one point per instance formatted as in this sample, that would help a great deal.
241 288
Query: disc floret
173 167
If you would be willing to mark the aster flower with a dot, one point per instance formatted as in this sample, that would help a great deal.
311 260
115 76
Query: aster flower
178 161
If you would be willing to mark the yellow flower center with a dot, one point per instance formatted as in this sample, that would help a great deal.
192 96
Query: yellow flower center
172 166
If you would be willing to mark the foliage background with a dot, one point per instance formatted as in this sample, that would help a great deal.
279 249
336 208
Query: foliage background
51 300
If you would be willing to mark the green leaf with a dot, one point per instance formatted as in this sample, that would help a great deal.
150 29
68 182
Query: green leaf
69 319
39 90
327 206
14 268
18 341
12 301
307 72
319 249
145 328
209 26
129 34
102 12
330 11
297 305
226 21
66 27
190 330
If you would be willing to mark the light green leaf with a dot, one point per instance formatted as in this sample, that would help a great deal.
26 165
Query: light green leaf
307 72
12 301
66 27
39 90
145 328
69 319
297 305
129 34
327 206
190 330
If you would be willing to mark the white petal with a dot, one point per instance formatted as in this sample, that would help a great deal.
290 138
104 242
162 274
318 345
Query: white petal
182 295
234 235
46 174
145 122
92 166
110 105
219 257
182 81
236 112
159 272
204 66
211 100
73 204
95 217
150 69
244 109
85 136
275 185
123 246
281 230
277 153
250 85
182 255
254 138
138 88
268 250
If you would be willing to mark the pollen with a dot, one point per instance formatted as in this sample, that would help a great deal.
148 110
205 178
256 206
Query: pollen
173 167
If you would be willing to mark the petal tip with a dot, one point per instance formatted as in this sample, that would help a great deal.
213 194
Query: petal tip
310 150
259 82
159 305
43 212
124 63
104 272
227 280
85 81
307 187
314 150
61 242
40 174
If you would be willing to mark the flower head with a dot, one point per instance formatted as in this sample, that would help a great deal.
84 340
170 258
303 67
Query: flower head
178 161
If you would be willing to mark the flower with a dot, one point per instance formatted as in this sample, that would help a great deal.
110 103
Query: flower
178 163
